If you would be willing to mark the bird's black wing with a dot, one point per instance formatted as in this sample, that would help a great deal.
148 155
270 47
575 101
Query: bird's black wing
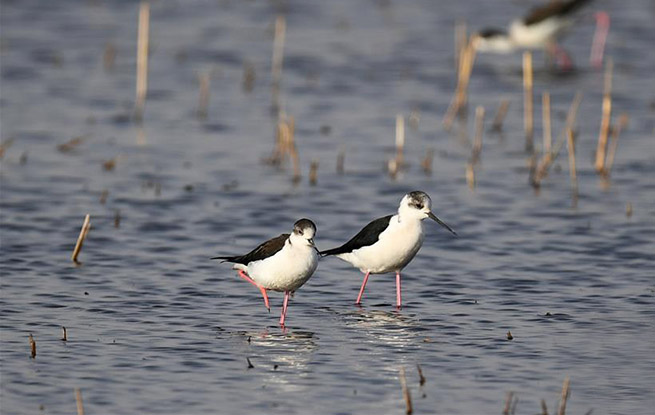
369 235
263 251
554 8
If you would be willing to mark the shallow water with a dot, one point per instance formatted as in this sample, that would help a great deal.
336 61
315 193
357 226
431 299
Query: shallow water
154 326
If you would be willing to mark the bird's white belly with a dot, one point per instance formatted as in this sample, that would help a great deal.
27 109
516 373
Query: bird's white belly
287 270
536 35
392 252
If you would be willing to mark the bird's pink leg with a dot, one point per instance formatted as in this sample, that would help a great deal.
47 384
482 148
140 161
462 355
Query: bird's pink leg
600 36
399 301
262 289
285 304
361 290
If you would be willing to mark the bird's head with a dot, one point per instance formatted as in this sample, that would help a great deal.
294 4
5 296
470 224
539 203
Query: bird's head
303 232
418 205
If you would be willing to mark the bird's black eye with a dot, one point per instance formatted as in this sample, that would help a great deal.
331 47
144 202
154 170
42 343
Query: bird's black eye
419 206
299 231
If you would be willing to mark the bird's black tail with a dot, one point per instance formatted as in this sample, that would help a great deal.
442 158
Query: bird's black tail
225 258
333 251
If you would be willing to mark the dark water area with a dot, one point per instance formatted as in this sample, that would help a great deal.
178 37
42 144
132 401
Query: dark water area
154 326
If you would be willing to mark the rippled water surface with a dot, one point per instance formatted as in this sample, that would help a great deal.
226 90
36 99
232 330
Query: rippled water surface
154 326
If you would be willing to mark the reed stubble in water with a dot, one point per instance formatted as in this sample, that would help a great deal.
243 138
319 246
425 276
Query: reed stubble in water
460 97
32 346
86 225
78 401
528 104
142 60
405 390
497 124
603 135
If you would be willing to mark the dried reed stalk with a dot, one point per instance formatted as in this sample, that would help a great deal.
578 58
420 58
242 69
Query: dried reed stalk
426 163
400 139
142 60
278 55
605 121
421 378
248 81
545 119
571 149
313 172
406 395
204 79
341 156
544 408
71 144
470 176
497 125
460 41
458 102
508 403
78 400
479 128
32 346
528 104
80 239
565 395
616 132
64 334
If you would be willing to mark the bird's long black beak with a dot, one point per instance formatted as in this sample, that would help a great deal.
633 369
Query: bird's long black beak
436 219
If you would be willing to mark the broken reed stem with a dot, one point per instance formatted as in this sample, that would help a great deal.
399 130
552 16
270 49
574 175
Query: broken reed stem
541 170
421 378
80 239
426 163
508 403
78 400
528 122
278 55
340 160
479 128
32 346
545 113
497 125
64 334
313 172
460 42
605 122
142 60
204 79
400 139
616 132
571 149
406 395
470 176
458 102
565 395
544 408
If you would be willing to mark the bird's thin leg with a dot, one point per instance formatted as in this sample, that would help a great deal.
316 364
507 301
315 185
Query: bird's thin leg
398 289
361 290
561 56
285 304
600 36
261 289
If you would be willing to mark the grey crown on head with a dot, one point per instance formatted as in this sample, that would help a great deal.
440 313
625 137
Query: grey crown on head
418 199
303 224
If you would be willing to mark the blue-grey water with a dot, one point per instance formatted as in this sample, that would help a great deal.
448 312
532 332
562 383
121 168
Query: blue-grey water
154 326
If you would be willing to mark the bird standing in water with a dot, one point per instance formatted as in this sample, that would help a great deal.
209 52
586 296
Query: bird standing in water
389 243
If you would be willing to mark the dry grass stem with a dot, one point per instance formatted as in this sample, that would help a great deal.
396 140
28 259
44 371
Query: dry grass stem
406 395
80 239
479 129
32 346
71 144
616 132
601 149
571 148
341 156
64 334
458 102
544 408
142 60
400 139
460 41
313 172
470 176
545 114
497 124
421 378
528 103
204 79
278 55
78 400
426 163
508 403
565 395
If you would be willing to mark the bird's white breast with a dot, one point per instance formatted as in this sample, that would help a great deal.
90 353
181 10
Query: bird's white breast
396 247
287 270
535 35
